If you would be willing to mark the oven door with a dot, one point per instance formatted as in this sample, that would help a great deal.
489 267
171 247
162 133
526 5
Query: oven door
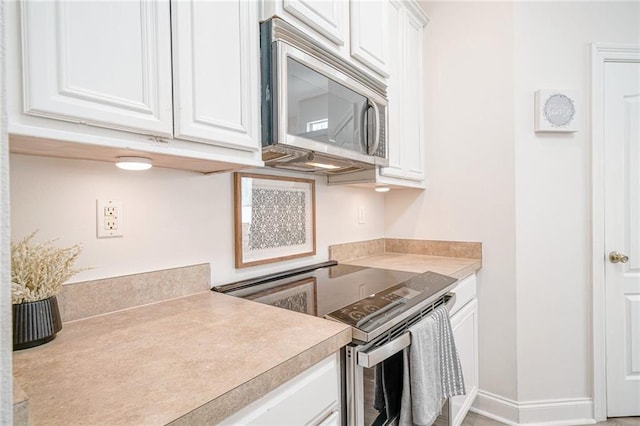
363 365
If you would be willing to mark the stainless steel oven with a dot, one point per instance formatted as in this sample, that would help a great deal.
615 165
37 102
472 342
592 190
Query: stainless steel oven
380 305
363 359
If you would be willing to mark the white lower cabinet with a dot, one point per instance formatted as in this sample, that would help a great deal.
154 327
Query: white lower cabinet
464 323
311 398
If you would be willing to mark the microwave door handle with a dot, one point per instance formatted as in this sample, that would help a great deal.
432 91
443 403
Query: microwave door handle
379 354
376 128
363 128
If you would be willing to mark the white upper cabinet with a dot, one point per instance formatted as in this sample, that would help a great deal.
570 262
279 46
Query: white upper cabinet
328 17
405 84
394 88
102 63
404 38
174 81
369 34
216 78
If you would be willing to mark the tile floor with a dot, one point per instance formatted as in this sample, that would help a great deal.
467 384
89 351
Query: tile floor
474 419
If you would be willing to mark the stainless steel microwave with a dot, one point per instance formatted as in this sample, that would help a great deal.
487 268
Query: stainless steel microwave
319 113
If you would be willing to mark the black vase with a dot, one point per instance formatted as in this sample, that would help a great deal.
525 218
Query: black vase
35 323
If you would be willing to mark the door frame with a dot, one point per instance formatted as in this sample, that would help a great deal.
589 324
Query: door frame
600 54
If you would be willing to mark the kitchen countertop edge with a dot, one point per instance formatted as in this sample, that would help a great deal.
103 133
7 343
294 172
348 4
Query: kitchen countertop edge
252 390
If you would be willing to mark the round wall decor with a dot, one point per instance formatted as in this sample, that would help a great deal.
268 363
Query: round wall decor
555 111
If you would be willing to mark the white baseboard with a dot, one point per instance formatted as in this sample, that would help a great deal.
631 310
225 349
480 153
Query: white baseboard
557 412
496 407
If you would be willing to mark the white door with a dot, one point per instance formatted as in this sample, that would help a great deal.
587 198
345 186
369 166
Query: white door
622 236
105 64
216 78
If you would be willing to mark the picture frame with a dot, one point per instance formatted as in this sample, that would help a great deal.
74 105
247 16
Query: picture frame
274 218
556 111
299 296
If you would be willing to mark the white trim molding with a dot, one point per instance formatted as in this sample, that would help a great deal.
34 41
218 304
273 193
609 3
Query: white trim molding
555 412
496 407
600 54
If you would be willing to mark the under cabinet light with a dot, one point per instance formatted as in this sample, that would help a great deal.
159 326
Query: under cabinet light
382 189
133 163
322 165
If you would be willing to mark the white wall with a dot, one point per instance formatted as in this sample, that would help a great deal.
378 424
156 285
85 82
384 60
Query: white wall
525 196
171 217
553 193
470 152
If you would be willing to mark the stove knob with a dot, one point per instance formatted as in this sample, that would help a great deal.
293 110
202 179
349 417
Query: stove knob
356 315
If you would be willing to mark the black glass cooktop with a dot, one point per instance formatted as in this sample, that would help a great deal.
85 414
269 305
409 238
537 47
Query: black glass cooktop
361 297
375 310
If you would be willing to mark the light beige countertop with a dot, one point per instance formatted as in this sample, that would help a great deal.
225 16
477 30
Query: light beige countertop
457 267
455 258
189 360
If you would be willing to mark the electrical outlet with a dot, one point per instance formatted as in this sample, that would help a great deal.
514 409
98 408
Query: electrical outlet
109 218
361 215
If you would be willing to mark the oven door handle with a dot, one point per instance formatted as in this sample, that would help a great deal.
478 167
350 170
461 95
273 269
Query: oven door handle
377 355
371 358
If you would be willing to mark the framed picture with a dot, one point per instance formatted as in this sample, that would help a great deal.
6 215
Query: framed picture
555 111
275 218
299 296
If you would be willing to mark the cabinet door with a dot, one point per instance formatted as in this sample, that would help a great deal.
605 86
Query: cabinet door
106 64
369 34
216 81
413 137
465 331
395 15
406 133
328 17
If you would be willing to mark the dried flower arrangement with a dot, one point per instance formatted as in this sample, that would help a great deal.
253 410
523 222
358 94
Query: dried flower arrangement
38 270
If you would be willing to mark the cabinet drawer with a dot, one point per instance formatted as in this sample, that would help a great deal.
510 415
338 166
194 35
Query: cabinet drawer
465 291
311 398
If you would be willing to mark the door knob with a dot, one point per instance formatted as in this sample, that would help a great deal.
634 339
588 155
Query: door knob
616 257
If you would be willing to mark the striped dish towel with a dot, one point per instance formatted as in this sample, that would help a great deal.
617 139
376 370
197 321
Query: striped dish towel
450 368
432 370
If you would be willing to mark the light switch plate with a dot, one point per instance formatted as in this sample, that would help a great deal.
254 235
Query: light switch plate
109 219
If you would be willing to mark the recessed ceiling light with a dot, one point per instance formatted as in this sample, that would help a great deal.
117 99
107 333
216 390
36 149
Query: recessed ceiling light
382 189
133 163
